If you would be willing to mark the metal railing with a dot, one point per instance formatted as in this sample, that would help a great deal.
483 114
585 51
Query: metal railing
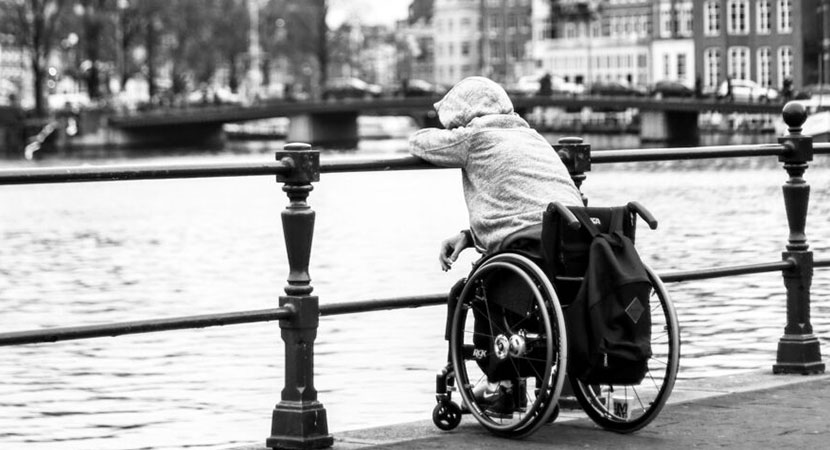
299 419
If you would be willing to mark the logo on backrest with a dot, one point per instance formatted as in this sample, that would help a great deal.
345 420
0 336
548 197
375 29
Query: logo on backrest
596 221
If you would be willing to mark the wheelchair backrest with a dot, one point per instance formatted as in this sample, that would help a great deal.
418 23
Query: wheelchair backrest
566 250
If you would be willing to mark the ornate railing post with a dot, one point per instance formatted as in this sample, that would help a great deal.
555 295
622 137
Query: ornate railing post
577 158
798 348
299 420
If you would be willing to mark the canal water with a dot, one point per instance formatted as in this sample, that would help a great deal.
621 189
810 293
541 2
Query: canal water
104 252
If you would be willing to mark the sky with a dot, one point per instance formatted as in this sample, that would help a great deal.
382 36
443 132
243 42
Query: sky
368 12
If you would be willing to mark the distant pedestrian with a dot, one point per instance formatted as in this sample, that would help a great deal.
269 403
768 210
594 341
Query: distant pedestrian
698 87
787 89
729 95
545 85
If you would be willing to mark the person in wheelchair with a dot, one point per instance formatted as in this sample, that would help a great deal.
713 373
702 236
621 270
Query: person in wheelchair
510 174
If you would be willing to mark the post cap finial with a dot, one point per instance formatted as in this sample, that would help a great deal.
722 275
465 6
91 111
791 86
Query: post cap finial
296 146
571 140
794 114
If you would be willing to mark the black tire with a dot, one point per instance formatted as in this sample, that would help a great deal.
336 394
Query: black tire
446 415
643 401
541 331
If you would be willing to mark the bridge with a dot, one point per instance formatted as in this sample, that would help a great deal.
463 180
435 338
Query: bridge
335 122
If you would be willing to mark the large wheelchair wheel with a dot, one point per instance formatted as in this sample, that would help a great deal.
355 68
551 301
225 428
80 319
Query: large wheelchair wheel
626 409
530 345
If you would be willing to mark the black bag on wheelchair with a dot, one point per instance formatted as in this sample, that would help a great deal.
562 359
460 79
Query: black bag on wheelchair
608 321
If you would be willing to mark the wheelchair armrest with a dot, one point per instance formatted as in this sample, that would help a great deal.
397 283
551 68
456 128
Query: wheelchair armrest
644 213
566 214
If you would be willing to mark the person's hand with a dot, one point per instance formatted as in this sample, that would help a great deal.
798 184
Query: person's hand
451 248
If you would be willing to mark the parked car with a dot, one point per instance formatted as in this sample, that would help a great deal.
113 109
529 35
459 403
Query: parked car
747 91
560 86
615 88
531 84
346 88
527 85
420 88
671 88
814 97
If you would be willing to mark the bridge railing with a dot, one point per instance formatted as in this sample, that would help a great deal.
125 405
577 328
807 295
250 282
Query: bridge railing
299 419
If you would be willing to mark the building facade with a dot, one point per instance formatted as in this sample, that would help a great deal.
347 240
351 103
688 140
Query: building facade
672 45
416 50
16 86
590 41
481 37
766 41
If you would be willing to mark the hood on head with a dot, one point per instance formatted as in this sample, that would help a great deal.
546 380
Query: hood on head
472 97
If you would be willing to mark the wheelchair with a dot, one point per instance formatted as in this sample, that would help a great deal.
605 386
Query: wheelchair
510 307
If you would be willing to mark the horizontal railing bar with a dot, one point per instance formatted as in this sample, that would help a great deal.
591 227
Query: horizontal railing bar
142 326
331 309
668 154
362 306
597 156
139 172
202 170
375 165
716 272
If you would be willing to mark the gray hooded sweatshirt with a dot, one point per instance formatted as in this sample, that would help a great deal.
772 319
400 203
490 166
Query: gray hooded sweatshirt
510 172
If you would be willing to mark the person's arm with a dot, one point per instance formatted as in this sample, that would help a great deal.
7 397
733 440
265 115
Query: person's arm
446 148
452 247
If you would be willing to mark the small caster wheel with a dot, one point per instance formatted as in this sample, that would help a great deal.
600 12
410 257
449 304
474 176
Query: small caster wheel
446 415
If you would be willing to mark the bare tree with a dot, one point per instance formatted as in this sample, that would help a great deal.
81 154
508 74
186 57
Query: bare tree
34 24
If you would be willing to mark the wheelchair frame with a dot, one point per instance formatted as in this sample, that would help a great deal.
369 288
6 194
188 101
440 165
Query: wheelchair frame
535 392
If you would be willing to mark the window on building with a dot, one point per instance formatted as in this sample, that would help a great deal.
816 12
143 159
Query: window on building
665 20
785 62
737 17
685 19
466 22
547 29
681 66
785 23
711 18
465 49
738 63
596 29
582 29
570 30
711 67
764 62
666 66
764 17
